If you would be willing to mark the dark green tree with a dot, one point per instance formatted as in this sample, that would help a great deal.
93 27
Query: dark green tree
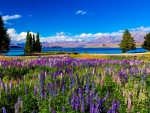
4 38
127 42
26 48
30 44
37 43
146 43
33 43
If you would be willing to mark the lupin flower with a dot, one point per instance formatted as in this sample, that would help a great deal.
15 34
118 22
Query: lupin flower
63 89
55 93
107 95
54 111
16 108
63 109
35 90
87 87
4 110
91 107
114 107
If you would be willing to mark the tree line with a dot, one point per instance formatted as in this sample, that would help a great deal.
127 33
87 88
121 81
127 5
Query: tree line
32 44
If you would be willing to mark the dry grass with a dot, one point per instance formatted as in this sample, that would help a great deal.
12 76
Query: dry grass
90 56
144 56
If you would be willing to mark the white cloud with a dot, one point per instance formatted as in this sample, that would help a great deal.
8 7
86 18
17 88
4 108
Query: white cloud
60 33
7 17
84 35
81 12
141 29
8 23
17 37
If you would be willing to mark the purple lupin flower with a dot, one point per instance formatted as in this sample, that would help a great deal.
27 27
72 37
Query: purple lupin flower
54 111
50 90
107 95
118 104
93 85
63 89
16 108
87 100
41 86
19 100
77 106
82 107
72 105
4 110
69 99
109 111
55 93
63 109
91 107
48 86
114 108
87 87
35 90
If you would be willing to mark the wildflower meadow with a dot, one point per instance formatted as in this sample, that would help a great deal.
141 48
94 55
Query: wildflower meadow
62 84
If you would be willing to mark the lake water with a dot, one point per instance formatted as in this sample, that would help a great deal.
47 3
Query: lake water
20 51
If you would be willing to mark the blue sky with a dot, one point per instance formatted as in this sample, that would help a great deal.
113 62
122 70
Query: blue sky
74 18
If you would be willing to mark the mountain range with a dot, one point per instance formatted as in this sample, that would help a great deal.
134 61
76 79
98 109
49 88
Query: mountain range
97 42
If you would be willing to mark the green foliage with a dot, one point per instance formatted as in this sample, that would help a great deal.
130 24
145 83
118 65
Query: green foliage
32 45
38 44
27 45
127 42
146 43
4 38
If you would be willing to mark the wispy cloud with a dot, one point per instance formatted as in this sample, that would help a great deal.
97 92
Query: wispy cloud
142 28
0 13
29 15
8 23
7 17
81 12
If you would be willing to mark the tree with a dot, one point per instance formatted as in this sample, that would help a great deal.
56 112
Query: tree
4 38
146 43
33 43
30 44
37 43
26 49
127 42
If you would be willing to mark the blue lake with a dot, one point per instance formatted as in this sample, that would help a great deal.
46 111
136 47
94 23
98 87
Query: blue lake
20 51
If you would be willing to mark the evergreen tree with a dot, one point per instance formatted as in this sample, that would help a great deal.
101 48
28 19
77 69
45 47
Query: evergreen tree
30 44
33 43
26 49
4 37
37 43
146 43
127 42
